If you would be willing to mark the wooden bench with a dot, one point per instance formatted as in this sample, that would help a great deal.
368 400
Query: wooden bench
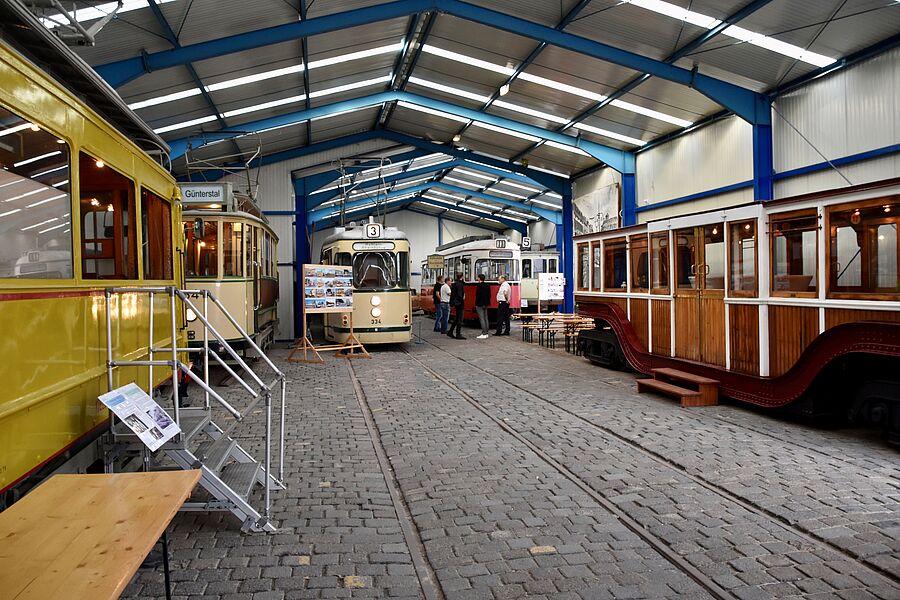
708 388
84 536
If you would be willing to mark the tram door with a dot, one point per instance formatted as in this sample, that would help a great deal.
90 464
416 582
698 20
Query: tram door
700 294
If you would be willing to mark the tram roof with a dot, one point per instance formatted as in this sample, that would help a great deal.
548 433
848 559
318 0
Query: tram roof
357 232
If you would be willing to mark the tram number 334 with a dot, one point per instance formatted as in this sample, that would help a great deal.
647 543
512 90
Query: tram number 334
376 321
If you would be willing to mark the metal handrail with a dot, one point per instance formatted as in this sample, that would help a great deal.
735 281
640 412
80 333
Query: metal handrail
177 367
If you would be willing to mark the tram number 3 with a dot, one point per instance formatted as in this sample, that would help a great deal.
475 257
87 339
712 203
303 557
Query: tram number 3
373 230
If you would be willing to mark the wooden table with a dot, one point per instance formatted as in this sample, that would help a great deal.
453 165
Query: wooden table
84 536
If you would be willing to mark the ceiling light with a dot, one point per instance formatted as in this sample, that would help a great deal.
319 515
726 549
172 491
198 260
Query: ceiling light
432 111
506 131
30 193
567 148
350 86
457 137
432 85
184 124
609 134
28 161
549 171
477 203
521 187
739 33
505 193
51 199
263 106
34 127
548 204
530 111
100 164
475 62
54 227
504 89
10 212
15 129
462 181
36 225
475 174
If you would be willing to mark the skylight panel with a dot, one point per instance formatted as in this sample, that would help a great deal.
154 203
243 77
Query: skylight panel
432 111
549 171
609 134
738 33
505 131
350 86
446 195
564 87
462 58
566 148
433 85
496 190
97 12
476 174
519 186
547 204
184 124
463 182
264 105
530 111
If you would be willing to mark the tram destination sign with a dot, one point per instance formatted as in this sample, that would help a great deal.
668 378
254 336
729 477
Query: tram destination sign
204 193
327 289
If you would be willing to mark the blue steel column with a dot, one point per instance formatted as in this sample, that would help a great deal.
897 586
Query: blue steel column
301 252
564 233
629 200
763 163
440 224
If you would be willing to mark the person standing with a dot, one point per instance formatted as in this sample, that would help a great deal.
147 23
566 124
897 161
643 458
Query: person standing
444 305
482 302
503 296
436 297
458 303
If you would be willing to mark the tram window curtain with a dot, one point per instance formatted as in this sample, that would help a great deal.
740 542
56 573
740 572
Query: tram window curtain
794 254
614 267
35 205
863 249
156 227
108 244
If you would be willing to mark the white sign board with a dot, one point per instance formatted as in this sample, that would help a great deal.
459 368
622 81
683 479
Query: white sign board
203 193
373 231
526 243
551 287
144 417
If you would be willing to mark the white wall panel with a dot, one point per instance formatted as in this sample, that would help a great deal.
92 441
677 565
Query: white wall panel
735 198
543 232
885 167
711 157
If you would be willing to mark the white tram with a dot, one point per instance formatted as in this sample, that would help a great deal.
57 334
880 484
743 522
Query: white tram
231 251
535 262
382 307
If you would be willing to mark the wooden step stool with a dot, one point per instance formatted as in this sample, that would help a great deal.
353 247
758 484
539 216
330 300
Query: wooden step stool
705 394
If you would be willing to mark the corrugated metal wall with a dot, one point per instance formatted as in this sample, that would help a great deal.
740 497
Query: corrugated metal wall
852 111
712 157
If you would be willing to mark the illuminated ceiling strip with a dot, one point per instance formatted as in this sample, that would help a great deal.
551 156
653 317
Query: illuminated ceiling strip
41 223
15 129
45 201
22 163
10 212
248 79
54 227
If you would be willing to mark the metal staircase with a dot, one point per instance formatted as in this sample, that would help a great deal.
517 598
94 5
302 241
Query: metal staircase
230 474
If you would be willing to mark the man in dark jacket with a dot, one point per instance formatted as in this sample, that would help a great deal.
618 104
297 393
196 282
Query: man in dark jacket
436 296
458 303
482 302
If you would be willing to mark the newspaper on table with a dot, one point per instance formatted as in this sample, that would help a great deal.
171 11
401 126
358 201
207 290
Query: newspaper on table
147 419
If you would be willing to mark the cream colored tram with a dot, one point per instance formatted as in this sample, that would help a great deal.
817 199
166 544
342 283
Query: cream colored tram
382 307
230 250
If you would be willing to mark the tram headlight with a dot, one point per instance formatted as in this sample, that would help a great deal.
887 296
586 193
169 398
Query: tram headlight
190 315
375 312
376 301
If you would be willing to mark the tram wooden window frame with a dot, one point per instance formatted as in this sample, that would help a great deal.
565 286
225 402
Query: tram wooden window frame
790 216
845 295
607 264
664 262
596 262
635 241
754 293
583 249
166 224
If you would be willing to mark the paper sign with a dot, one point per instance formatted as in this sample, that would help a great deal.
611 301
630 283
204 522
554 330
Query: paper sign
147 419
435 261
327 289
551 286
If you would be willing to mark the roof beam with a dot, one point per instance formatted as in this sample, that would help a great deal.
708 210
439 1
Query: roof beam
304 56
408 44
474 213
121 72
313 182
619 160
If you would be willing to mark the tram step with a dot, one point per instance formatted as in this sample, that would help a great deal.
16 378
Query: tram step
685 396
214 453
192 421
240 477
708 388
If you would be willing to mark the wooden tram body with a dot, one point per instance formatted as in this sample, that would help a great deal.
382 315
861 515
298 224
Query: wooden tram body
61 159
236 258
533 263
382 306
492 256
779 301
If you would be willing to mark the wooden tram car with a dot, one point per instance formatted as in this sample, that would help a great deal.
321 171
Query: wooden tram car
235 257
793 301
471 256
382 307
535 262
82 208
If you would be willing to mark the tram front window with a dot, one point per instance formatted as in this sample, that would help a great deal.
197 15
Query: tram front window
493 268
374 270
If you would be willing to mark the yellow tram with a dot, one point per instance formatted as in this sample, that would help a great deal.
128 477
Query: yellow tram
231 250
82 208
382 307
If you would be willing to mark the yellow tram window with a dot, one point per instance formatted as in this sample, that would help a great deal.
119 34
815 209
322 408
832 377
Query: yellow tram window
108 247
864 250
156 226
35 217
742 256
374 270
659 262
202 250
232 245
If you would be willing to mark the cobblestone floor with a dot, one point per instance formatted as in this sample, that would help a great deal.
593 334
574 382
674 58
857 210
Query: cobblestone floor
510 461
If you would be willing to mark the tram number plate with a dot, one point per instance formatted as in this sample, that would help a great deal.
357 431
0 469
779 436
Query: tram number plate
376 321
373 230
192 335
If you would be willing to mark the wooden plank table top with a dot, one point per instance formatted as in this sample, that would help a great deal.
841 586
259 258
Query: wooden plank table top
84 536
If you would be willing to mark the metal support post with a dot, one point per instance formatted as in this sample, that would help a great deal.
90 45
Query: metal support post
763 163
268 450
206 348
629 200
150 350
174 358
281 435
564 245
301 251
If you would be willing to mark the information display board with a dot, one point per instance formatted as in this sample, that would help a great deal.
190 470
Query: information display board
435 261
327 288
551 287
147 419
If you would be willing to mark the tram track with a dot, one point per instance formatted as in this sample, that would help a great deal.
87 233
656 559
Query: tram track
428 582
762 512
